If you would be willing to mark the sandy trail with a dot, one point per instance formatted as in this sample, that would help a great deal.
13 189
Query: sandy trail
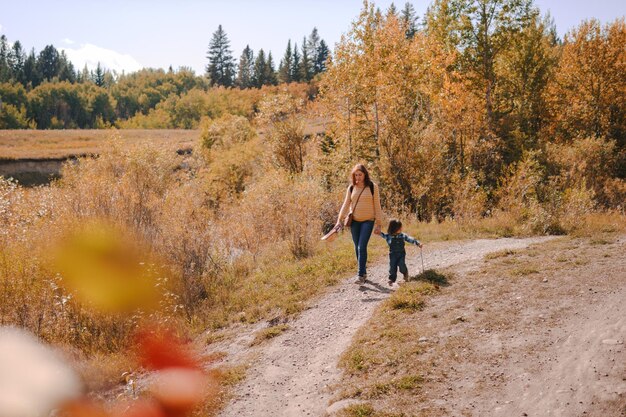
585 366
291 375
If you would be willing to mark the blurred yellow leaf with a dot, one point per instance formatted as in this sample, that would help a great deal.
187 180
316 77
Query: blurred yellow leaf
108 270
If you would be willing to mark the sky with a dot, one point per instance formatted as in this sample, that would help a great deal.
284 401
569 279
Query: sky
126 35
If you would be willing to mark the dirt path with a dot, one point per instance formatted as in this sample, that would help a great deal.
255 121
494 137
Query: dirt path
291 375
584 366
548 343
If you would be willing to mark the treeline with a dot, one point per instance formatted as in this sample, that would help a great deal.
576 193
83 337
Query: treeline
45 91
297 65
83 104
49 65
482 109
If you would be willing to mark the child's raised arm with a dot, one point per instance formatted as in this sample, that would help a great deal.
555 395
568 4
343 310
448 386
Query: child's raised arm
412 240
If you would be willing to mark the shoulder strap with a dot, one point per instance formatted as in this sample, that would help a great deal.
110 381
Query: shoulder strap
371 188
357 199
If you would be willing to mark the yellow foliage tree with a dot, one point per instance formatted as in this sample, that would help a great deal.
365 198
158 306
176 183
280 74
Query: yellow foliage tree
588 94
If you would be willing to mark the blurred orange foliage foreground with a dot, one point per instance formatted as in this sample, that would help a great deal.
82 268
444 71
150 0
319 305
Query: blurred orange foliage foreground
111 273
179 386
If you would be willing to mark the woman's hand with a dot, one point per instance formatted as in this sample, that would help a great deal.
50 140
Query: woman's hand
377 230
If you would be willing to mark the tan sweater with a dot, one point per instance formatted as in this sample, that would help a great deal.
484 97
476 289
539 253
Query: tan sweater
368 207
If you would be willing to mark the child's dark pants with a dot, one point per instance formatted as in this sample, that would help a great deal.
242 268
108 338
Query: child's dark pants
396 261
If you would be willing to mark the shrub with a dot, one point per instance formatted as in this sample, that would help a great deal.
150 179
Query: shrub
225 132
279 208
127 186
519 193
469 199
285 131
588 162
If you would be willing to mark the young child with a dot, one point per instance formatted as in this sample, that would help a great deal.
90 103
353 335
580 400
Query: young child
395 239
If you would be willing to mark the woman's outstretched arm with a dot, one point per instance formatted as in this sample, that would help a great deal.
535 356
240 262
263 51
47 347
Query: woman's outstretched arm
345 207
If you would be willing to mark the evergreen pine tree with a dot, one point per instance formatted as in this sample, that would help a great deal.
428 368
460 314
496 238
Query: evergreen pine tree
221 67
296 70
284 69
306 70
259 70
313 45
270 71
48 63
66 69
245 70
17 62
5 67
409 19
98 76
32 77
392 10
321 57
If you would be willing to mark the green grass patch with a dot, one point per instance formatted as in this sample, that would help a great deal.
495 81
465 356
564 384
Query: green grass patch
410 296
434 277
356 361
358 410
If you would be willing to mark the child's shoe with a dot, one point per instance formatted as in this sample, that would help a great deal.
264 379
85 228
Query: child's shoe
391 281
406 277
361 279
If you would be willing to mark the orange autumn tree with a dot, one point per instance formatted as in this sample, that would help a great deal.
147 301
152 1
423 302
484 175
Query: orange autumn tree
588 94
378 90
587 103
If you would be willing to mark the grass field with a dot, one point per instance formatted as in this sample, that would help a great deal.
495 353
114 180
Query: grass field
44 144
47 144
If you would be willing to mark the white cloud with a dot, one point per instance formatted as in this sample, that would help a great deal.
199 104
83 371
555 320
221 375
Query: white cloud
68 41
91 54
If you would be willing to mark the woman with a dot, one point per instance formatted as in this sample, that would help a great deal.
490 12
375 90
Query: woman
363 202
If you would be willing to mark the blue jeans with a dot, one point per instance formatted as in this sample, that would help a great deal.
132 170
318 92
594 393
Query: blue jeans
361 232
397 261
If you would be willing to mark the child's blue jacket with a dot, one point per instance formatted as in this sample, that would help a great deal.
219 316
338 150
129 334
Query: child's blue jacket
396 242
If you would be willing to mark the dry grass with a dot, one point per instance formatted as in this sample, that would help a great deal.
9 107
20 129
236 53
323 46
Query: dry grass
269 333
489 227
44 144
281 286
103 372
500 254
